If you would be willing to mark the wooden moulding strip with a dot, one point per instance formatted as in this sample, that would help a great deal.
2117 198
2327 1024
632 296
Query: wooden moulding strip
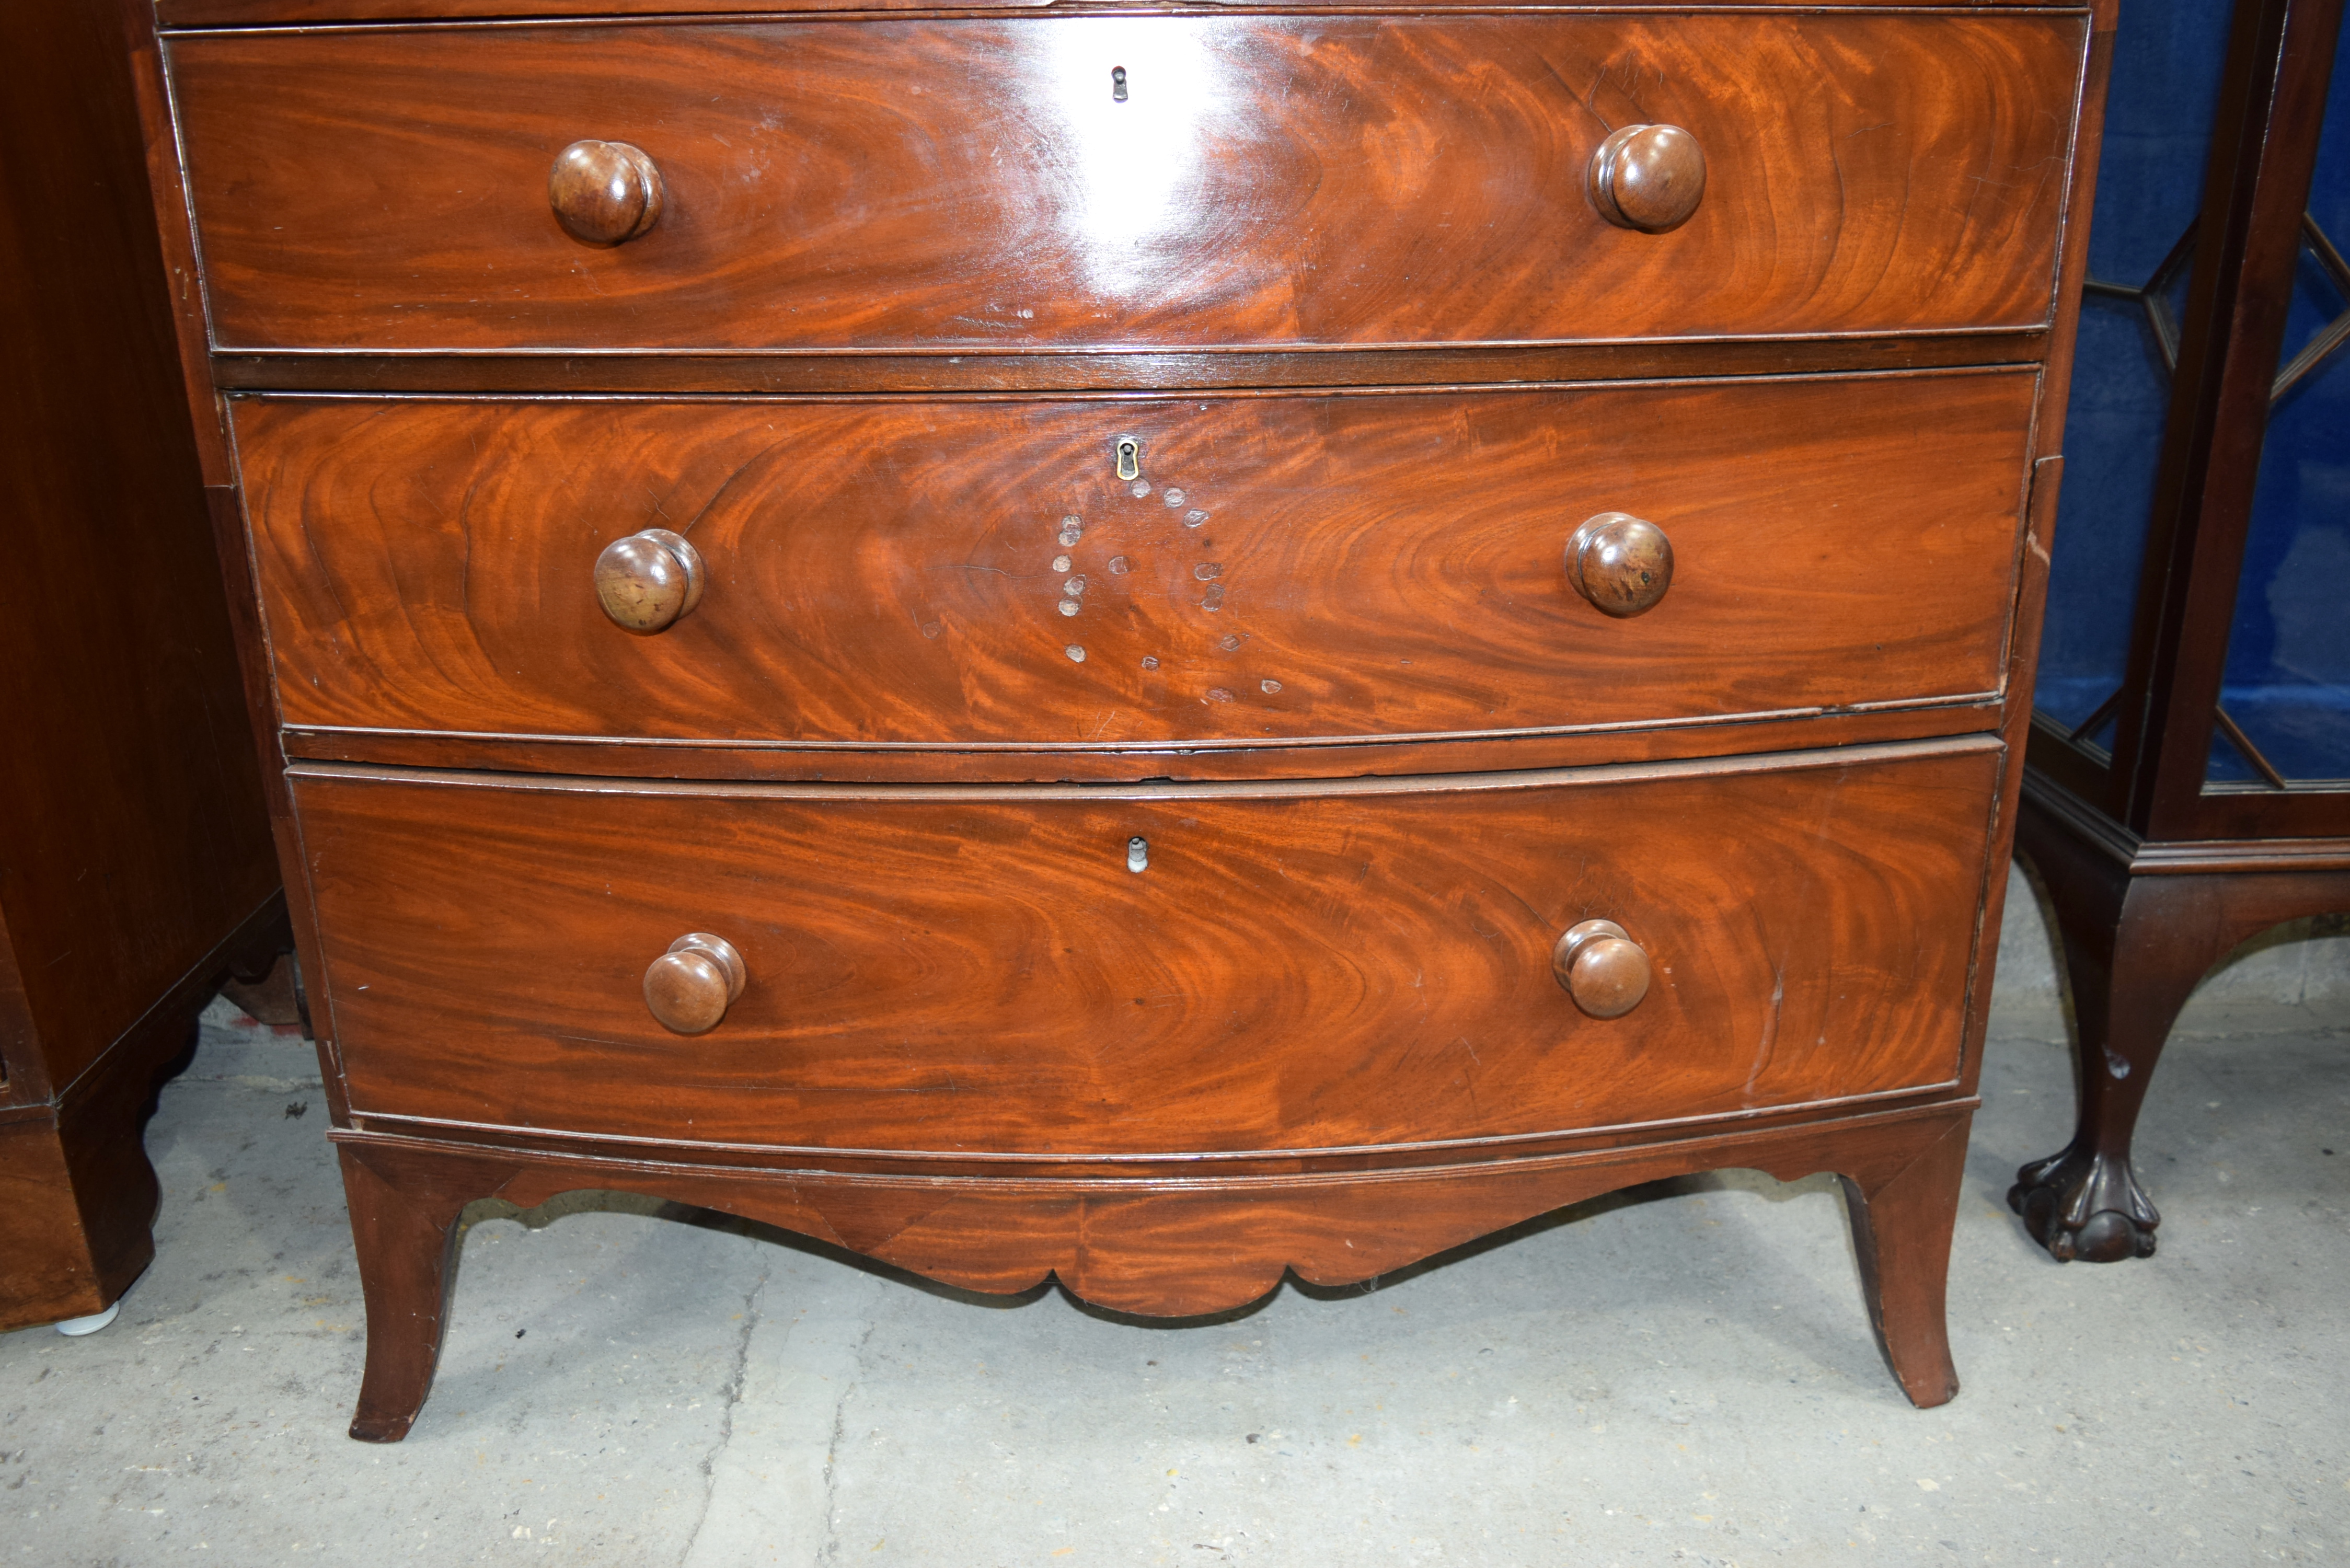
1697 1136
1428 784
676 371
199 13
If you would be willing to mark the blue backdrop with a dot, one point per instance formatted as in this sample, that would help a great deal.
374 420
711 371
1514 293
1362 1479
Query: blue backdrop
2288 675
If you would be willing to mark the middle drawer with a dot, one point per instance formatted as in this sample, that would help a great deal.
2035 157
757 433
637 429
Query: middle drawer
1115 572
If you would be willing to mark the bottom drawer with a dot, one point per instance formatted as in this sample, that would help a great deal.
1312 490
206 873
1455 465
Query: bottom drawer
1060 969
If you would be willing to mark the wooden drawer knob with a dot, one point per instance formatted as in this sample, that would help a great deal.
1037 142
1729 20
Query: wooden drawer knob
649 580
603 192
1620 563
690 987
1647 177
1604 971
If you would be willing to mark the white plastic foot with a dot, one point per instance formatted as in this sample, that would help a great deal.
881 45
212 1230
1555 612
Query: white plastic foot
92 1324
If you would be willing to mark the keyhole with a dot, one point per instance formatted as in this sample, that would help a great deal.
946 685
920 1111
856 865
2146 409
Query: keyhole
1137 854
1118 83
1129 458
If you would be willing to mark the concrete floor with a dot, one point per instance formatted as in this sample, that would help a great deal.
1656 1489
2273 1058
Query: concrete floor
1683 1374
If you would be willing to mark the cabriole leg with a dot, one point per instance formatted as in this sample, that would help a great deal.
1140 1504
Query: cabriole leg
2127 988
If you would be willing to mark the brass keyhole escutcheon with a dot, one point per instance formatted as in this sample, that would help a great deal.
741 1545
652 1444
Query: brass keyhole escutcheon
1130 457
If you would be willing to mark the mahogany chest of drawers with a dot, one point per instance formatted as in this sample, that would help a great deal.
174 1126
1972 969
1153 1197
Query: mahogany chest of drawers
1150 644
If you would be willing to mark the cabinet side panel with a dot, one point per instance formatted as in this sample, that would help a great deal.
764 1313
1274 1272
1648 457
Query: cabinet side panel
131 831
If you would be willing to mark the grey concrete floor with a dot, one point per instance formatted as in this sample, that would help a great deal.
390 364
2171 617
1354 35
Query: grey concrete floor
1681 1373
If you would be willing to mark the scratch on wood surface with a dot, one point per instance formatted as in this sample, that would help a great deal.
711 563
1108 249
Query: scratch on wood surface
1770 1031
597 1039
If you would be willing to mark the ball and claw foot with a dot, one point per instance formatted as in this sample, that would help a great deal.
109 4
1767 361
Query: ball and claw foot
2086 1206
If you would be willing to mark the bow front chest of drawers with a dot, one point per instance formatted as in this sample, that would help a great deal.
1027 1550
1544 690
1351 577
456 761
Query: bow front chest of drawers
1152 646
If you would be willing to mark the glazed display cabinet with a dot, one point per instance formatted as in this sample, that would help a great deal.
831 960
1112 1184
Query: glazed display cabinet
2189 784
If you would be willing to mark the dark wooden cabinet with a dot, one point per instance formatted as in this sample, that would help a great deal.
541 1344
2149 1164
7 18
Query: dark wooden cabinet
2189 778
135 862
1152 646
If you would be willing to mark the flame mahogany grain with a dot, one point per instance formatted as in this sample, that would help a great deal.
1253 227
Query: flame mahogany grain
893 572
885 184
951 204
1300 967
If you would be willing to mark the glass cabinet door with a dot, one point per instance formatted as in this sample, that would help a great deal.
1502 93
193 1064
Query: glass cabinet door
2159 110
2285 700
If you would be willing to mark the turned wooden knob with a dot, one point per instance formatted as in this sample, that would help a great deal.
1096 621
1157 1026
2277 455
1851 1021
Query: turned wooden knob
1647 177
1620 563
690 987
603 192
649 580
1604 971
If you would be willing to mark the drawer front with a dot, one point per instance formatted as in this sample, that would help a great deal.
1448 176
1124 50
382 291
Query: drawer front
984 969
974 183
973 572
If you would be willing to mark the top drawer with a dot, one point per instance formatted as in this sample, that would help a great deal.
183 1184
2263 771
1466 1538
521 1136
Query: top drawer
1265 180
